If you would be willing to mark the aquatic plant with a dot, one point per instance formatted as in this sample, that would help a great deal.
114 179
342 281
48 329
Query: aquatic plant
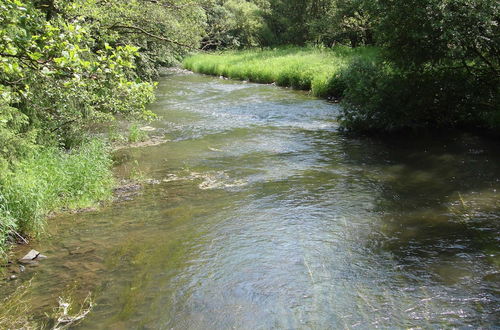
67 314
14 310
16 313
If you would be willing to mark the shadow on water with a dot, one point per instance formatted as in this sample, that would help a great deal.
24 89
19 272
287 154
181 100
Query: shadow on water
438 205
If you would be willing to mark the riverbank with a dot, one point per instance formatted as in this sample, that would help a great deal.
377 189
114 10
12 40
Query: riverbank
50 180
55 183
310 68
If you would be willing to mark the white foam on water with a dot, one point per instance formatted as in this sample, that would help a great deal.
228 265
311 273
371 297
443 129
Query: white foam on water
211 180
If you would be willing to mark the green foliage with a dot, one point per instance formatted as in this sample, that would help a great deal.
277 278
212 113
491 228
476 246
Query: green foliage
300 22
381 97
439 64
51 180
135 134
55 80
163 30
442 69
235 23
58 79
314 69
344 21
66 69
440 32
288 19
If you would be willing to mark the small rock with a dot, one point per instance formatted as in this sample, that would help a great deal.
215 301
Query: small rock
13 277
31 257
152 181
21 268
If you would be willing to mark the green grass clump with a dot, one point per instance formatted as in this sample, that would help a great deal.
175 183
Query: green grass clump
135 134
51 180
309 68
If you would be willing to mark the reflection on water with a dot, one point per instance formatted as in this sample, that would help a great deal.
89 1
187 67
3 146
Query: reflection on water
264 216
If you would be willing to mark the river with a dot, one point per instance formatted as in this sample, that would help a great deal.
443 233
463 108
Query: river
260 214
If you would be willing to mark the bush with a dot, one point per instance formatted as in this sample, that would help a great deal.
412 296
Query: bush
135 134
380 97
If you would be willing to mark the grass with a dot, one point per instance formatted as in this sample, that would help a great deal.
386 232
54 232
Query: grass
135 134
52 180
307 68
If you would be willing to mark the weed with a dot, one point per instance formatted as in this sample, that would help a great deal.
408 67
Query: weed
15 310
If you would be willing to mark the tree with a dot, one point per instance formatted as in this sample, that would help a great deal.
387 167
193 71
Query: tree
441 67
163 31
55 81
236 23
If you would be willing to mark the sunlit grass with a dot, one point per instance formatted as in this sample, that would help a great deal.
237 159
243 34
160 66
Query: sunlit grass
51 180
314 69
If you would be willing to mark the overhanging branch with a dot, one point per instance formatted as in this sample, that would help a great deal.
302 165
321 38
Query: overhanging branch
149 34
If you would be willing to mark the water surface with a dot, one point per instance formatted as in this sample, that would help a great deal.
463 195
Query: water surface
262 215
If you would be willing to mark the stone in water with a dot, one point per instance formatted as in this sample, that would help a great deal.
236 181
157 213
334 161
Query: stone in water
32 256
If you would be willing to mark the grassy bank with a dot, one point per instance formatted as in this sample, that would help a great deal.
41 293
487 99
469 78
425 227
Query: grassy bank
314 69
50 180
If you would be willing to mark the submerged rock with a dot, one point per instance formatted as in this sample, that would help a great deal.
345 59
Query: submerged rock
127 191
80 251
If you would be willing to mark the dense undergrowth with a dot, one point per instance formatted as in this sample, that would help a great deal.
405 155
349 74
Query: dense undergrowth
313 68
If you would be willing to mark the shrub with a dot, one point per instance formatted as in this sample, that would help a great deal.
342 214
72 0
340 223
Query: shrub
380 97
135 134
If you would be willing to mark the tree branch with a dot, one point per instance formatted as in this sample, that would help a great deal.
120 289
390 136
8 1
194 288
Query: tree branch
149 34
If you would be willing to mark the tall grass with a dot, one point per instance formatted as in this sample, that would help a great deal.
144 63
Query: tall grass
52 180
310 68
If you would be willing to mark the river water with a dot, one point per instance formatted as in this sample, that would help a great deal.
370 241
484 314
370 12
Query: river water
260 214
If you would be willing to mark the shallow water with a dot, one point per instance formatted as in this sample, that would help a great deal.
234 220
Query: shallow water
262 215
